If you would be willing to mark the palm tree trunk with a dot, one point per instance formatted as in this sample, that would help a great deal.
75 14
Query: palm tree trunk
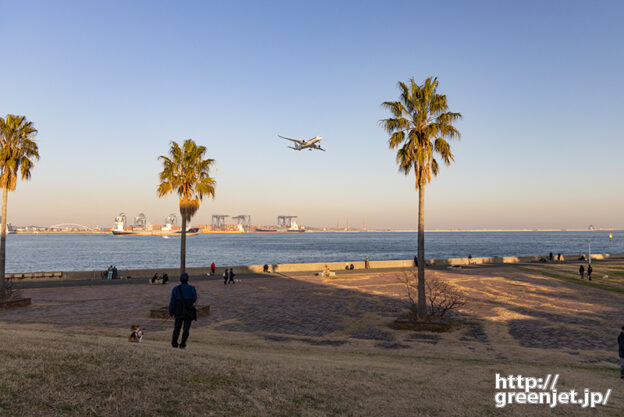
422 306
3 293
183 247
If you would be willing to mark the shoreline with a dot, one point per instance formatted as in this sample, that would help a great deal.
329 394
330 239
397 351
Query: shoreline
314 267
97 232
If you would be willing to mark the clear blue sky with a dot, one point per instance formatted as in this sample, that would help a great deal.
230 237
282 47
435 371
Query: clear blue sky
110 84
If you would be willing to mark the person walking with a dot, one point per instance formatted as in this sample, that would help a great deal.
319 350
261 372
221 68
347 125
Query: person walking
231 276
212 268
225 276
582 271
181 306
550 256
621 346
589 271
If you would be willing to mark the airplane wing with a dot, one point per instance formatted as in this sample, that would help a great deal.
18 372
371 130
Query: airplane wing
300 142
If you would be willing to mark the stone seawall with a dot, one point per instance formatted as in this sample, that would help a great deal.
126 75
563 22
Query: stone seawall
284 268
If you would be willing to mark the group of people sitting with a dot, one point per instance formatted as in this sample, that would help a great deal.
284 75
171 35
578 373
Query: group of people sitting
159 279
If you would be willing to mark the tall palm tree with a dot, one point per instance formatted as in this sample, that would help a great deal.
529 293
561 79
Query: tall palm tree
186 173
419 127
18 150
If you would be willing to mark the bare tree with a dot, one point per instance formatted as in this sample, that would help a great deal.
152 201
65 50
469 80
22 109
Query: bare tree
441 296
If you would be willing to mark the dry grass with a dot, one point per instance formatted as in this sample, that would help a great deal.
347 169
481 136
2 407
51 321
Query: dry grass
54 370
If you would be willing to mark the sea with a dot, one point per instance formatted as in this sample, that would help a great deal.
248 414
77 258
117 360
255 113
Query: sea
90 252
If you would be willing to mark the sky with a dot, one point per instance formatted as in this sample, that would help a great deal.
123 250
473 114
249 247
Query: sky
110 84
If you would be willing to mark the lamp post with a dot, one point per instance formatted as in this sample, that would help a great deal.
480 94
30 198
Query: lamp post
589 251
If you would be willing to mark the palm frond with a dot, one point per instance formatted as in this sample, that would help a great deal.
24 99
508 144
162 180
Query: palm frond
420 127
187 173
17 150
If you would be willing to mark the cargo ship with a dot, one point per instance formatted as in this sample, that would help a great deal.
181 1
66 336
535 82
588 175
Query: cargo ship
294 228
143 228
230 228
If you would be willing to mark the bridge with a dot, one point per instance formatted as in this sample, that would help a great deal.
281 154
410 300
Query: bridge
71 226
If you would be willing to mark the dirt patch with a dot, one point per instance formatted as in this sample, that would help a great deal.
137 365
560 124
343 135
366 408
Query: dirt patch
545 335
372 333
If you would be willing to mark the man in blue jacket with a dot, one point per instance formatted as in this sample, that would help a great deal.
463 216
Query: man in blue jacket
181 306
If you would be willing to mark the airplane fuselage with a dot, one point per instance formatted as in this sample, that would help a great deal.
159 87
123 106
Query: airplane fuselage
309 144
305 144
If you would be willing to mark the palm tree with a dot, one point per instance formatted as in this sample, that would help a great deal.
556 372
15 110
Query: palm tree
187 173
17 152
419 127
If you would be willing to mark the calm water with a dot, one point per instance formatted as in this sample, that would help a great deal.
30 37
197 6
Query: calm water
32 253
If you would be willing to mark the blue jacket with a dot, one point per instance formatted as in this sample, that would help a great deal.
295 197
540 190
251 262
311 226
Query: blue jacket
188 291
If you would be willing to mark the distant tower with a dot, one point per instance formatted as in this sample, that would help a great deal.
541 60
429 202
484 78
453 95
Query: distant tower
243 220
140 221
171 219
218 220
364 224
285 221
347 229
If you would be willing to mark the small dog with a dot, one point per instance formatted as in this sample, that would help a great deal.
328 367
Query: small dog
137 334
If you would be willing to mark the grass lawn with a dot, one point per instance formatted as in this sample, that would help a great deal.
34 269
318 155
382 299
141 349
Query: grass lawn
302 346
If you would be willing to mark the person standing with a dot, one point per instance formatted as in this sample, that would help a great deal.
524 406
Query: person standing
621 346
225 276
550 256
231 276
181 306
415 261
366 263
589 271
212 268
582 271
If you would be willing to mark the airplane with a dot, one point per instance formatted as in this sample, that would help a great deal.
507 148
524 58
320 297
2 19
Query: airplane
305 144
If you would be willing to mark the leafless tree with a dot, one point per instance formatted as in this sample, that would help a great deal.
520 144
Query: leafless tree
441 296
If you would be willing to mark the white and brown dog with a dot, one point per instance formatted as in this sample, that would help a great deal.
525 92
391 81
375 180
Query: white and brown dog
137 334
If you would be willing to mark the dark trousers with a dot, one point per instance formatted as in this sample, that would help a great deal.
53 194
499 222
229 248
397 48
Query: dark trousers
176 330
